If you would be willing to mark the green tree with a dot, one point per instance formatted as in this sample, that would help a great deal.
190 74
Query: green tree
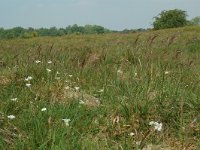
75 29
1 32
98 29
34 34
196 20
93 29
170 19
18 31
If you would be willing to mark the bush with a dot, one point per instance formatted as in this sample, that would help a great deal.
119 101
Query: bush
196 21
170 19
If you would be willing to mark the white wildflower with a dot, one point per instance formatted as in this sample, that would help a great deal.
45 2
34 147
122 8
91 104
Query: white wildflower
101 90
97 101
11 117
151 123
44 109
37 61
66 121
136 74
48 70
77 88
49 62
13 99
119 71
166 72
28 78
70 75
131 134
28 84
157 126
81 102
57 72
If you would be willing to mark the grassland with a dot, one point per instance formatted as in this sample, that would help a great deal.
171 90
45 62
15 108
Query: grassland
107 88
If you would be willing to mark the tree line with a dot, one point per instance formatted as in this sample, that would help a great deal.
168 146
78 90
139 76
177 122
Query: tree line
166 19
19 32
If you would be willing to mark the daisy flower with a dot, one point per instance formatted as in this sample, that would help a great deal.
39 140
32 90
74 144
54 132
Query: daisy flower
28 78
77 88
37 61
66 121
49 62
48 70
81 102
166 72
131 134
44 109
11 117
28 84
13 99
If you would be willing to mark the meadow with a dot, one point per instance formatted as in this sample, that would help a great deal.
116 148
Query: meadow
109 91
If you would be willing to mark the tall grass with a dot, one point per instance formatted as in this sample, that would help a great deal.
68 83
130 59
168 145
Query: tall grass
137 78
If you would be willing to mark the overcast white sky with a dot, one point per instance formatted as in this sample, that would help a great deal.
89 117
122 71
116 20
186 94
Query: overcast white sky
112 14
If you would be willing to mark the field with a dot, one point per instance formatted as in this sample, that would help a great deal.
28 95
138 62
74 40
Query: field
112 91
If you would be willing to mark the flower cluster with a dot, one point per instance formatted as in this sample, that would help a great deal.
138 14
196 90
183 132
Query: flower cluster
157 126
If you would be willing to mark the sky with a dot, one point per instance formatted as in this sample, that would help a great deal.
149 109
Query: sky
112 14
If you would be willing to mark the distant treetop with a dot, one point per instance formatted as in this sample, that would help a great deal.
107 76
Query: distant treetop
170 19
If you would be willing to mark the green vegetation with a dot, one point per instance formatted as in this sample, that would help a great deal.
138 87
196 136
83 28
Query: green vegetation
19 32
166 19
114 91
170 19
196 20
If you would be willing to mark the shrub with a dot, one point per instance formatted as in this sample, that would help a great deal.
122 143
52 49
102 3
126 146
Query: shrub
170 19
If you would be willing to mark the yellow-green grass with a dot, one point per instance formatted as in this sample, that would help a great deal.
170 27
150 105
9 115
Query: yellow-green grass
137 78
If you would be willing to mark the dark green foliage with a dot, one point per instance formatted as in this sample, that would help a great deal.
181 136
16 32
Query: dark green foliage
196 20
94 29
170 19
134 30
19 32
